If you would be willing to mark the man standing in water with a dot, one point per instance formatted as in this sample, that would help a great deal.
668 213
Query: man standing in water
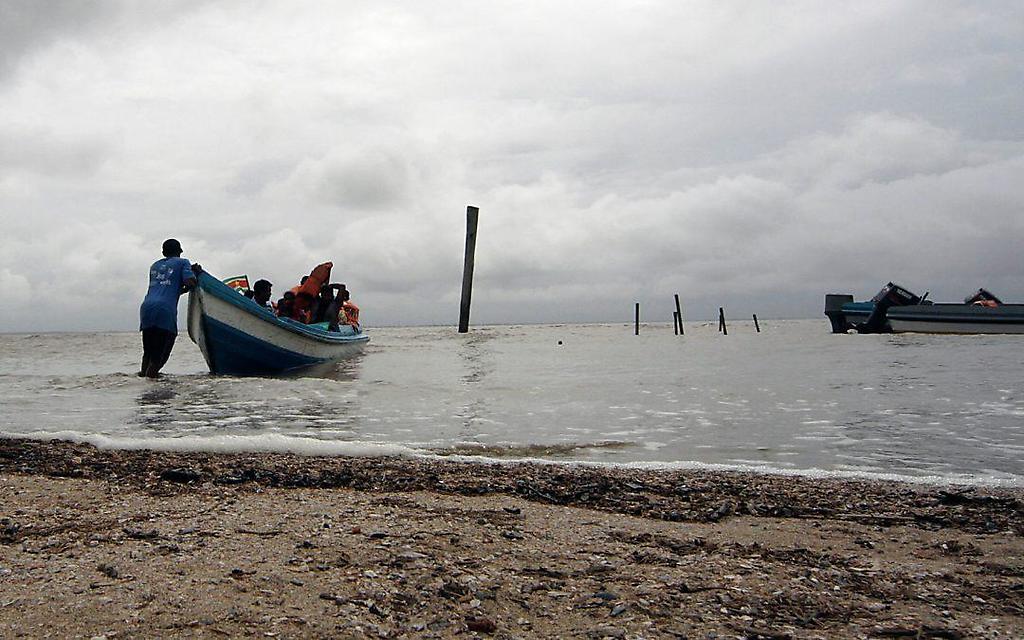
169 277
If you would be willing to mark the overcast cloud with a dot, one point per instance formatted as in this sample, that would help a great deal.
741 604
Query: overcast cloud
751 155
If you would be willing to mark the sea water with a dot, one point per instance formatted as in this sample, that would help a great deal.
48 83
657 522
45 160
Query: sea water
793 399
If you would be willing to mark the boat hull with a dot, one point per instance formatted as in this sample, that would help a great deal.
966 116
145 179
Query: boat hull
238 337
957 318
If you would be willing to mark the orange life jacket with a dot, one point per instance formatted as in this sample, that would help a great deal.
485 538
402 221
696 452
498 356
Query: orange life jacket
349 314
307 292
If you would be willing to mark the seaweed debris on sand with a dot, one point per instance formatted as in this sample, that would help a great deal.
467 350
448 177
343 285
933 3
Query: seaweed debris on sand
142 543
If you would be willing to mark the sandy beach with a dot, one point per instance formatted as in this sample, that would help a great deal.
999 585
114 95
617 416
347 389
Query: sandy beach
127 544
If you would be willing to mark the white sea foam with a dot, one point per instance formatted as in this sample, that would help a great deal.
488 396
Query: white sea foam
224 443
275 443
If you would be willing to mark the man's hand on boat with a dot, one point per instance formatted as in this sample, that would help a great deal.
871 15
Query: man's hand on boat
190 284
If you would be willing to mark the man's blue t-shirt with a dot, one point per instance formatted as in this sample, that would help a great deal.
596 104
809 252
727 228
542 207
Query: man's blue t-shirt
160 308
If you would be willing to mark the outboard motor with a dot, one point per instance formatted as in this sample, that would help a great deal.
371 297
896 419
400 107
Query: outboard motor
834 310
891 295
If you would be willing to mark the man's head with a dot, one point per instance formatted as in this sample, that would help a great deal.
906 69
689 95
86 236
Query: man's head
261 291
286 304
172 248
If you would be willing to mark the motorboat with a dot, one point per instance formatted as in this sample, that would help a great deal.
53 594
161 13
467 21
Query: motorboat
896 309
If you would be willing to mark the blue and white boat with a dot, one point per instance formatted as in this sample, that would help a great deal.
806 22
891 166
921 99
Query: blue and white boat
238 337
897 310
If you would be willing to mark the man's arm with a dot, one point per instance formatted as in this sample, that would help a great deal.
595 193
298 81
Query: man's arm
190 283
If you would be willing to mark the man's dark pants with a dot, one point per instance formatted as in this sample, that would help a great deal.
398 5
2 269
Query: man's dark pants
156 348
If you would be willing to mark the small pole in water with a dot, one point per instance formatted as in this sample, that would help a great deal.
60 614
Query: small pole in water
675 322
756 326
721 322
679 313
472 215
636 321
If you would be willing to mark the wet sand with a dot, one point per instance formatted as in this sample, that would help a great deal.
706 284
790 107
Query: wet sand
127 544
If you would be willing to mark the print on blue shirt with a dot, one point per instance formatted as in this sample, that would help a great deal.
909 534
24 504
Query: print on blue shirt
160 307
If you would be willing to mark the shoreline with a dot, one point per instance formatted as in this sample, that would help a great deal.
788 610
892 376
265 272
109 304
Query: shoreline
111 542
491 454
699 495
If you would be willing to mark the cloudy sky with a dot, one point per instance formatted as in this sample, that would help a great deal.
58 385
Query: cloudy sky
755 155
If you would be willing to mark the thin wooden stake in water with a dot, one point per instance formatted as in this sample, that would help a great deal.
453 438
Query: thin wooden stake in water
679 314
721 322
756 326
675 322
636 321
472 215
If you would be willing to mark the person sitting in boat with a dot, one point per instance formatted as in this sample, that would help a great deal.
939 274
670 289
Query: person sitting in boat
308 291
285 306
349 313
984 298
261 294
322 309
333 308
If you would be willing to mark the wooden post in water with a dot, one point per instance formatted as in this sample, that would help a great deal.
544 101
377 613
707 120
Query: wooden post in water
721 322
675 322
636 321
472 215
756 326
679 315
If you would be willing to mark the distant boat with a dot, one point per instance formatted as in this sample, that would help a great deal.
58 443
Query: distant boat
238 337
897 310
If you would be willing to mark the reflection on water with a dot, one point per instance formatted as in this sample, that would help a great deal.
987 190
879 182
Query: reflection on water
345 371
477 359
477 362
792 397
299 403
155 405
